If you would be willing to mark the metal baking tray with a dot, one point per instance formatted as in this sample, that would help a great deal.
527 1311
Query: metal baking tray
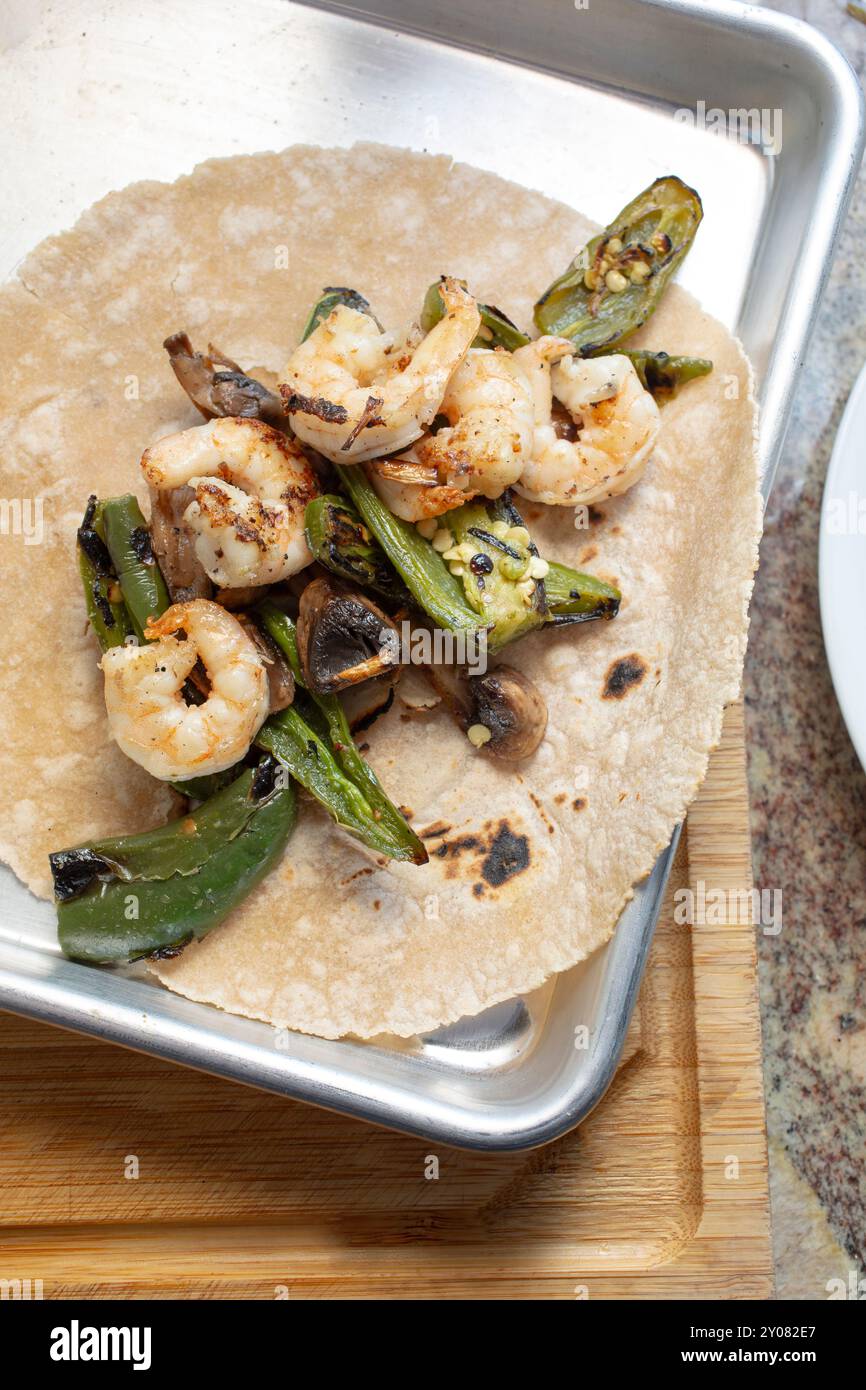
578 100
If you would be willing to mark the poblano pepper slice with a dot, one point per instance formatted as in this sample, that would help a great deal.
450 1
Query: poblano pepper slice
615 283
123 898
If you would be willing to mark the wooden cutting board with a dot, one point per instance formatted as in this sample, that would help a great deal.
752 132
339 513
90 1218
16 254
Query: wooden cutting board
123 1176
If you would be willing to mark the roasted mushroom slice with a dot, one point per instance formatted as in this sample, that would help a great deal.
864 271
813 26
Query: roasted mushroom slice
509 716
217 386
501 712
174 545
343 637
281 683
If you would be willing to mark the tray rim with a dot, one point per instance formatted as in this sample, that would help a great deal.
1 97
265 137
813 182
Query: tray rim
28 994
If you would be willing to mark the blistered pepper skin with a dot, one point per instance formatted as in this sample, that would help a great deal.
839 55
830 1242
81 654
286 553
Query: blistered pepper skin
616 282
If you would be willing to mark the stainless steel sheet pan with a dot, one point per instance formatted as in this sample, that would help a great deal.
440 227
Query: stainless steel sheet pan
585 103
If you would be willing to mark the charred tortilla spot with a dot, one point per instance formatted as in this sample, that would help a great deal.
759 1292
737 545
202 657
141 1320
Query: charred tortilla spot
478 890
432 832
457 847
578 803
508 855
628 671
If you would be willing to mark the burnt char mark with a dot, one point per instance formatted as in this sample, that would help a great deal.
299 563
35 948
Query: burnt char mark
372 715
314 405
102 605
73 871
91 543
264 782
456 847
368 417
578 803
139 540
493 541
622 675
433 832
508 855
170 952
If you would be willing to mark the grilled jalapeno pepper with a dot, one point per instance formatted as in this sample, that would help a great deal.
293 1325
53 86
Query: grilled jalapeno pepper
339 540
103 596
374 819
332 295
616 282
128 540
499 567
573 597
422 569
663 375
136 895
497 330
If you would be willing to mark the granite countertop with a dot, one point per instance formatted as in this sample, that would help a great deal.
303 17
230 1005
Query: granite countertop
808 807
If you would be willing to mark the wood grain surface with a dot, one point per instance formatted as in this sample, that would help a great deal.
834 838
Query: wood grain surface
662 1192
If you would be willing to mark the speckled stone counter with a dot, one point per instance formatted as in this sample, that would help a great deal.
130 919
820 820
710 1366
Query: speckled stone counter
808 806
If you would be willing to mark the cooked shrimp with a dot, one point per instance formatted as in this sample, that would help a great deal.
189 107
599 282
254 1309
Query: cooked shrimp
410 488
354 395
252 485
148 716
617 422
482 449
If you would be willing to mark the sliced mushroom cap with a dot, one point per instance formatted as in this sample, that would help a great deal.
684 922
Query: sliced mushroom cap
511 707
502 712
281 682
217 386
343 637
174 546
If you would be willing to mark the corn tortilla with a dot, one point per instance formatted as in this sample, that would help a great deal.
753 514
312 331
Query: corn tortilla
530 864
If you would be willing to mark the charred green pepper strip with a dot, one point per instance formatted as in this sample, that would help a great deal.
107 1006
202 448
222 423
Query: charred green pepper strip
573 597
424 572
497 330
308 757
138 895
639 251
281 629
106 609
663 375
128 540
339 540
332 295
